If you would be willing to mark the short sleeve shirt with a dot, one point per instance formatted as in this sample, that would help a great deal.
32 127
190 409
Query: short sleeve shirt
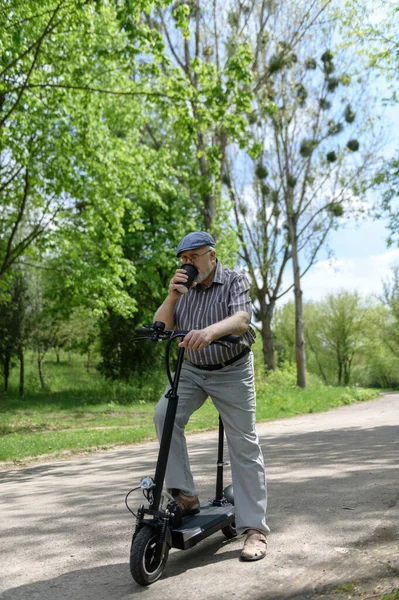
202 306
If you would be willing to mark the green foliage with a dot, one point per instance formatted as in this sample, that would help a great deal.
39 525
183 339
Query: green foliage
331 156
324 104
117 123
311 64
261 171
333 83
277 62
279 395
307 147
336 209
68 165
334 128
388 177
344 330
181 14
349 114
301 94
12 326
353 145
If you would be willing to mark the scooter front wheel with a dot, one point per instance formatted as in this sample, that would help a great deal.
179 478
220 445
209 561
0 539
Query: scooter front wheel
145 565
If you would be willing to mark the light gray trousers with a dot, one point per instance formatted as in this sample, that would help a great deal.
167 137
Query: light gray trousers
232 391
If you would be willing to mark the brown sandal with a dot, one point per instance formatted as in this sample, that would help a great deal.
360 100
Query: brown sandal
255 546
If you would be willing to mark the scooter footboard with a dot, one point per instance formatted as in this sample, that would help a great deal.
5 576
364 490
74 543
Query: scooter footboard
198 527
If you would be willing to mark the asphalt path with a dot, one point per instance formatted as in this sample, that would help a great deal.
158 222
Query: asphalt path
333 512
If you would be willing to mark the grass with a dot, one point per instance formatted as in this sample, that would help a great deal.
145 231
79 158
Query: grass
365 589
80 411
393 596
345 587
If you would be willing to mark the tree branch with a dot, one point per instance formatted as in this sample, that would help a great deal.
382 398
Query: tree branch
20 215
171 46
3 187
85 88
38 44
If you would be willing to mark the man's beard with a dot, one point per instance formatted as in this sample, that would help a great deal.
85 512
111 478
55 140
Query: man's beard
202 276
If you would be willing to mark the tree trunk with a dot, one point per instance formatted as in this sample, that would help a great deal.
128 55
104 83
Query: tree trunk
7 363
57 353
209 211
318 362
88 361
347 370
300 351
40 367
21 371
339 372
266 315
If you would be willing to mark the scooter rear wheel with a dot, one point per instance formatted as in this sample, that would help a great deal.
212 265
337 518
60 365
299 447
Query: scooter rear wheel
230 531
145 567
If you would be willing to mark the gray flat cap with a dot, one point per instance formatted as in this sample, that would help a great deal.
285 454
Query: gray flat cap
193 240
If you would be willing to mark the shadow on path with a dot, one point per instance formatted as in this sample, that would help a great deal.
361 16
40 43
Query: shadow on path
341 483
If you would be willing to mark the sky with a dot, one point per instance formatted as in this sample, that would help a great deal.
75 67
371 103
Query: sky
361 258
361 262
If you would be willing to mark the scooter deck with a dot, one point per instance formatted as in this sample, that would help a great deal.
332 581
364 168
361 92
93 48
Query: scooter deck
200 526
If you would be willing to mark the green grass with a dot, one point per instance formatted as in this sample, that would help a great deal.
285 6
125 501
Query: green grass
345 587
80 411
393 596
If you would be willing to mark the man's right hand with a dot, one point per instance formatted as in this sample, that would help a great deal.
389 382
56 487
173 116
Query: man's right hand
175 287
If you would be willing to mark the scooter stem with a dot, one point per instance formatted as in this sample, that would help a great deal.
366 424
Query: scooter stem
220 463
167 433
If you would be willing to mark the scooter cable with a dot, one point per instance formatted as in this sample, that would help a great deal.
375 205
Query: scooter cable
126 503
176 335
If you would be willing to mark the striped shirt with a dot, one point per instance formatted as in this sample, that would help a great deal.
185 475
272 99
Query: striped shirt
202 306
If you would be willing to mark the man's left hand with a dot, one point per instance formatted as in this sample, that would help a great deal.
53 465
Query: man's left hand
196 339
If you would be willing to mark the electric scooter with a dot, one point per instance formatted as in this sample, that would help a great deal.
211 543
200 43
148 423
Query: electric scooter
160 526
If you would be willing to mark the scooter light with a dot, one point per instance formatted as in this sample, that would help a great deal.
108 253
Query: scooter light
146 483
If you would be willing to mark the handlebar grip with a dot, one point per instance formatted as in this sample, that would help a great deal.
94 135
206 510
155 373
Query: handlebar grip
143 331
233 339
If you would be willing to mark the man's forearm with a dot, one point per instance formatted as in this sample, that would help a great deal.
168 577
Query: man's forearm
237 324
165 312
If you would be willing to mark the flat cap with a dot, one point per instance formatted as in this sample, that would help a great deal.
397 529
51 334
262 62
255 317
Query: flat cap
196 239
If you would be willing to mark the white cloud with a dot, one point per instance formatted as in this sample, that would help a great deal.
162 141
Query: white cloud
364 274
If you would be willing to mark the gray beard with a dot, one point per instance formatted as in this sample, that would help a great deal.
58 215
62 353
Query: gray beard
202 276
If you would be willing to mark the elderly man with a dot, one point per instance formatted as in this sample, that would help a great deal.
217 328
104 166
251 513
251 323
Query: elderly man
217 304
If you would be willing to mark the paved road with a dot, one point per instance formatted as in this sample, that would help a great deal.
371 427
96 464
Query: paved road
333 512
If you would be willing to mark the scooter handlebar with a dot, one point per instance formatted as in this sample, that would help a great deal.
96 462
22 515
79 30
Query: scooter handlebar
148 331
233 339
143 331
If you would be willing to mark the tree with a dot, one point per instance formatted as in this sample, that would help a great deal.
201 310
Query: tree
376 365
378 35
13 328
341 330
69 81
215 89
304 157
391 300
338 329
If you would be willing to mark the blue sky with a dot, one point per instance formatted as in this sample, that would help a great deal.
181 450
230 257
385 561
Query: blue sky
361 261
361 258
